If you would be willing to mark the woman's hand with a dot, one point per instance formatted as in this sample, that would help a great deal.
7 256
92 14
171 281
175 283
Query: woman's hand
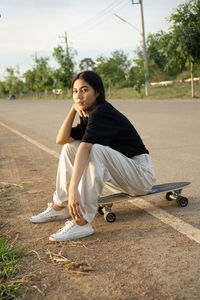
74 203
81 113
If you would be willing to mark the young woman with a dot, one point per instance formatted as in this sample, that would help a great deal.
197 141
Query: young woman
103 149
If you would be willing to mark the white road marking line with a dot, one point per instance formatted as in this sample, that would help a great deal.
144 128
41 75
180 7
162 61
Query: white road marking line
179 225
146 136
32 141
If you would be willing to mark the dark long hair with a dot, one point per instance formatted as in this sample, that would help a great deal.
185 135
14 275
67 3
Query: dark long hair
95 81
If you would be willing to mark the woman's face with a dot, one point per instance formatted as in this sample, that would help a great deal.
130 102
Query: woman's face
84 95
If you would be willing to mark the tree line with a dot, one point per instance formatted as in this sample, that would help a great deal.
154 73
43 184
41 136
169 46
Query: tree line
170 55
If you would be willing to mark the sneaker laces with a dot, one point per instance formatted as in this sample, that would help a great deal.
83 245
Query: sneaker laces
50 206
68 226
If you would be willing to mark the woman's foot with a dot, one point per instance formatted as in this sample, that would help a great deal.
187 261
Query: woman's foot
51 214
57 207
72 231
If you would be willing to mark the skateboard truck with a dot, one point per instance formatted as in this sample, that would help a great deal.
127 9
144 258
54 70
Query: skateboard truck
109 216
176 195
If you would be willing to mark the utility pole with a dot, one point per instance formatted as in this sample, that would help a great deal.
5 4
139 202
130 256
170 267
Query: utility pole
65 41
144 47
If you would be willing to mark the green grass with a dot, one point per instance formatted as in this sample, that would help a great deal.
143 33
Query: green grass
9 265
176 91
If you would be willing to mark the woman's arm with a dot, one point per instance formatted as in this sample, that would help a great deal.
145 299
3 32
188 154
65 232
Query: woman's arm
63 136
80 164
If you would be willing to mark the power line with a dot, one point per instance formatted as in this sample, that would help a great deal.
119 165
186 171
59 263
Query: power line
97 16
128 23
100 20
89 24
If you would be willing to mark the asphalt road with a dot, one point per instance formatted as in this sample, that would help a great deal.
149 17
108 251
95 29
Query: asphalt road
170 130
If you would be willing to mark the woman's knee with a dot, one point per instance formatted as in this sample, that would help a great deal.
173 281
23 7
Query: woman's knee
97 150
70 148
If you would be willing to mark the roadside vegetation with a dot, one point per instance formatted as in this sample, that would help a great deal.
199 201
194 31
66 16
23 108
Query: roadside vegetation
175 91
172 55
11 256
10 286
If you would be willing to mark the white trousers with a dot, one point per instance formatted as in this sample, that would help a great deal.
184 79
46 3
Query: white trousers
105 166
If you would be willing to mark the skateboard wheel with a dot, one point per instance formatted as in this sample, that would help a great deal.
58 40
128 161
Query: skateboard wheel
168 196
100 210
110 217
183 201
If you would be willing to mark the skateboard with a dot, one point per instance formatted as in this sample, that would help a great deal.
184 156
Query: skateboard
173 192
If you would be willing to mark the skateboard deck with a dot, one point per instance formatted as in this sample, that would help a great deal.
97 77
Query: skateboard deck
173 192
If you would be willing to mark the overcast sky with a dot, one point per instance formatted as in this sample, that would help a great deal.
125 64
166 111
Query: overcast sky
36 26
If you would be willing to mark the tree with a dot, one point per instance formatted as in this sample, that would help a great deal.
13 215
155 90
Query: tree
30 80
136 75
159 66
87 64
40 77
158 61
102 68
182 44
113 70
65 73
119 65
13 84
3 89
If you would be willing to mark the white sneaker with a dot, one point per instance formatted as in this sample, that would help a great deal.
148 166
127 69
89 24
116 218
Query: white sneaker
50 214
72 231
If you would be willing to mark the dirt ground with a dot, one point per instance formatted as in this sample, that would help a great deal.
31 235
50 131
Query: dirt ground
137 257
